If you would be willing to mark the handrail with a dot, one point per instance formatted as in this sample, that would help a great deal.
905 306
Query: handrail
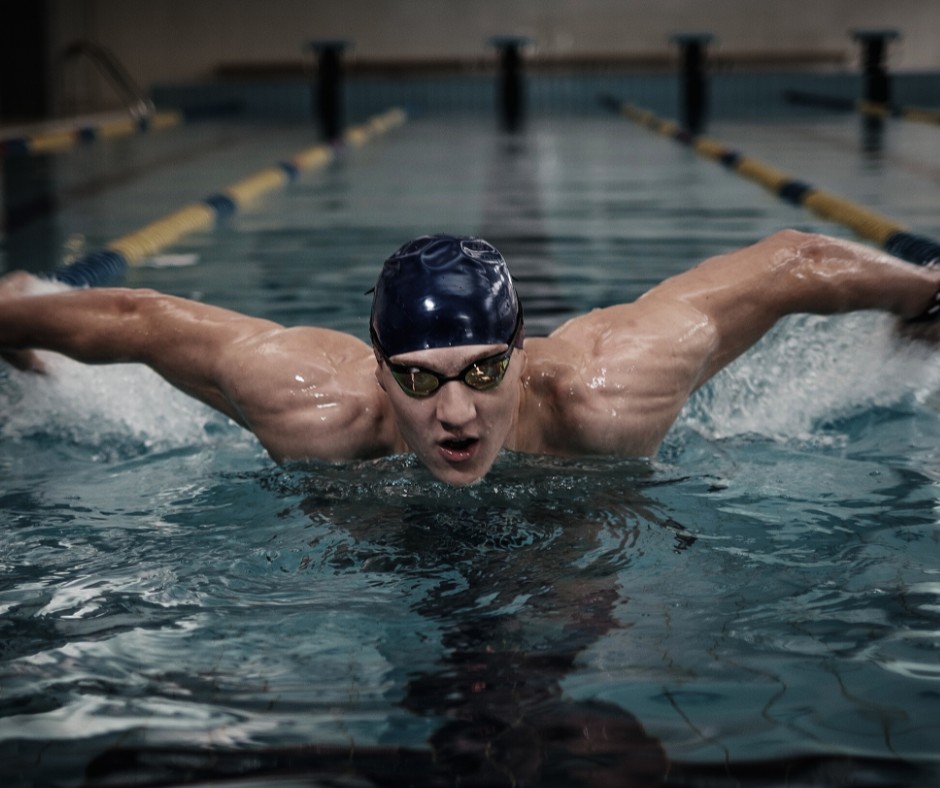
136 101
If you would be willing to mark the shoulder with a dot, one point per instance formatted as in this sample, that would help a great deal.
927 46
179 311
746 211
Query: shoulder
613 381
310 393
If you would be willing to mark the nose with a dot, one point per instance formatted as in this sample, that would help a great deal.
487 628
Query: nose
455 406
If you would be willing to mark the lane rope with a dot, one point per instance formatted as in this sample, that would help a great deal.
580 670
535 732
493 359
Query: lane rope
109 264
63 138
892 236
872 109
66 135
911 114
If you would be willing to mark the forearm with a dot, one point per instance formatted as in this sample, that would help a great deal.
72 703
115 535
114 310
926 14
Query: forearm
178 337
737 297
184 341
792 272
92 326
830 275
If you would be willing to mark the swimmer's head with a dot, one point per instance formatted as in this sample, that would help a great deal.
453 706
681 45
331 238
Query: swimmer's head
443 291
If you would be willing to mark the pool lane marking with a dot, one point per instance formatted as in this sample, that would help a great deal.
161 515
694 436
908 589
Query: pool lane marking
874 109
57 140
67 135
108 265
912 114
892 236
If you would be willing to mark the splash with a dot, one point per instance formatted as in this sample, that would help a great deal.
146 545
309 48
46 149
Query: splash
113 411
811 371
808 373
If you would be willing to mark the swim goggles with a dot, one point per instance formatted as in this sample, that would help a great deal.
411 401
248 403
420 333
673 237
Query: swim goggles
481 375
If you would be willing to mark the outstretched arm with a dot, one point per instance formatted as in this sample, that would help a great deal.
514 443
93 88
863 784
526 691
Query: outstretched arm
638 363
182 340
305 392
744 293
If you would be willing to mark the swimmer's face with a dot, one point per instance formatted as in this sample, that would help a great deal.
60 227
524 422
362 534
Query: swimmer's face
457 431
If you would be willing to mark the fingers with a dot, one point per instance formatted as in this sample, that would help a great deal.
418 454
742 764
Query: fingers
24 360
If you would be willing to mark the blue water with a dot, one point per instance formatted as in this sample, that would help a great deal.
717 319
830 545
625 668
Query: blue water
758 604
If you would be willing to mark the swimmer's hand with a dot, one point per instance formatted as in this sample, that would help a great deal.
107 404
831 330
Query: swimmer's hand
24 360
19 283
924 327
926 331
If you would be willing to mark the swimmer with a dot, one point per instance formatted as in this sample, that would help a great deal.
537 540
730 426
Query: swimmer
450 375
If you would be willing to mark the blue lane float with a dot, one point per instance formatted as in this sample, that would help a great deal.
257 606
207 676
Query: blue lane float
97 269
108 266
892 236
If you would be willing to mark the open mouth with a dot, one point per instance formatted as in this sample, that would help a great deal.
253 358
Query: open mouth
458 448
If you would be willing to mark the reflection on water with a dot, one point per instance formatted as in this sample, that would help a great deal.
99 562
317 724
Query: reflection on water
530 592
561 623
511 600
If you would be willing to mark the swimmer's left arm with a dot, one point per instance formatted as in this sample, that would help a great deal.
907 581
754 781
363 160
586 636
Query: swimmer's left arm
638 363
744 293
723 306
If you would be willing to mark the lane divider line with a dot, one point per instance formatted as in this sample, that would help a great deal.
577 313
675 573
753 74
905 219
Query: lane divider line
873 109
60 139
108 265
912 114
892 236
62 136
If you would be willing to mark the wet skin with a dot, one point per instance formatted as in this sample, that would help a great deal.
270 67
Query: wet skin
610 382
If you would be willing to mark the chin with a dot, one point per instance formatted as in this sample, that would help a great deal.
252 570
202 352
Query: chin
460 474
458 478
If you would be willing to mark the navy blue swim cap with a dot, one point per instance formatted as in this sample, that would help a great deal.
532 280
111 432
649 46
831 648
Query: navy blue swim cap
442 291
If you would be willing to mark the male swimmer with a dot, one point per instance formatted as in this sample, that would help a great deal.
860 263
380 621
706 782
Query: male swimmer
450 375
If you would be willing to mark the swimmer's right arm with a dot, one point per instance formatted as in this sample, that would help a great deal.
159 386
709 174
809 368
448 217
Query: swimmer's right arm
305 392
180 339
15 284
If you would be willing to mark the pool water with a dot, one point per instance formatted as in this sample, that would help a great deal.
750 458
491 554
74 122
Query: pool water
759 604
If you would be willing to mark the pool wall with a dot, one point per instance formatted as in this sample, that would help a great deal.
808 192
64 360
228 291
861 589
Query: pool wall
731 95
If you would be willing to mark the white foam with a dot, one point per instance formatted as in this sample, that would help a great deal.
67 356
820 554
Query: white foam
112 409
811 370
121 407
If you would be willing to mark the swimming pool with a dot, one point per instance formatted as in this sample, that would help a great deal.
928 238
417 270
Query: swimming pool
758 604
